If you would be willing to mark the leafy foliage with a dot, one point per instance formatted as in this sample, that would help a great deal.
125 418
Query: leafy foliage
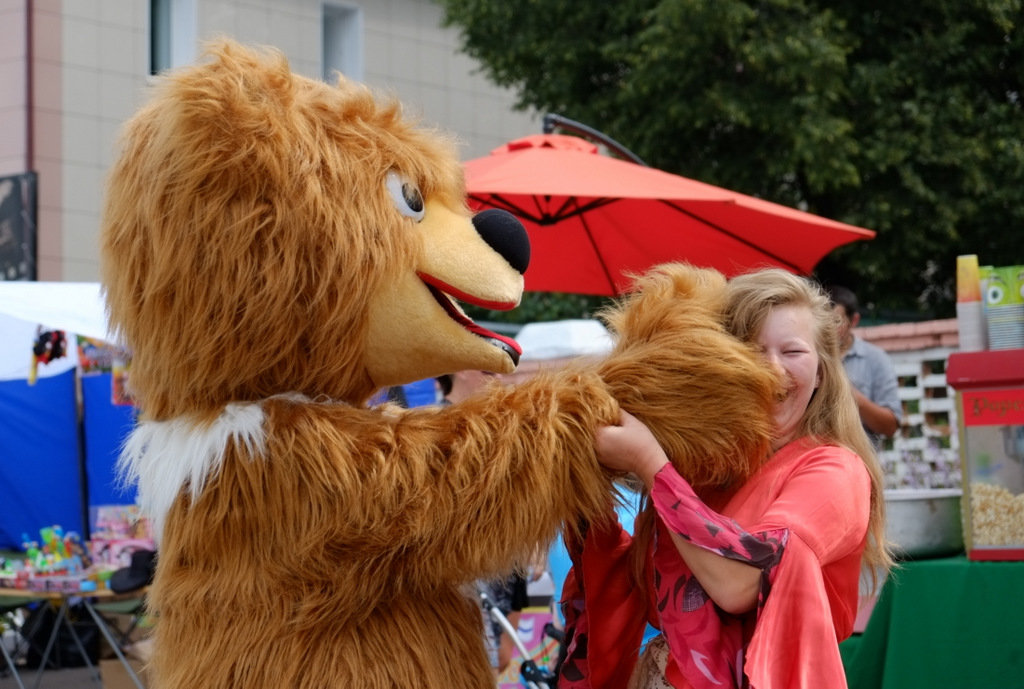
542 306
903 118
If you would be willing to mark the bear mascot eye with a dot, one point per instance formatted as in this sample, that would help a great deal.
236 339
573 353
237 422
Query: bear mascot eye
406 196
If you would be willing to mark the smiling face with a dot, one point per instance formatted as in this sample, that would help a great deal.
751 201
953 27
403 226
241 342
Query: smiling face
788 343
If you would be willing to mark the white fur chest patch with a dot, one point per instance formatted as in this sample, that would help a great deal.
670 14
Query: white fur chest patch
165 457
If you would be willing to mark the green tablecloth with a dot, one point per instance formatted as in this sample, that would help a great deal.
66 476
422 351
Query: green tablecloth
947 623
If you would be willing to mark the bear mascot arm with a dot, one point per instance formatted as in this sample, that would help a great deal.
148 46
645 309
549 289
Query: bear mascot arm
274 250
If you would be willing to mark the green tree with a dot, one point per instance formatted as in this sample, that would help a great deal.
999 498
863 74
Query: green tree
903 118
543 306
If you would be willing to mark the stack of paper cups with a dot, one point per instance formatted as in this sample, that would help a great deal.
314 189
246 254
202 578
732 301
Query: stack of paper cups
1004 306
970 314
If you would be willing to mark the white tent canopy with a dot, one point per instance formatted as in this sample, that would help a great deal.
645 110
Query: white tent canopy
74 307
552 344
561 339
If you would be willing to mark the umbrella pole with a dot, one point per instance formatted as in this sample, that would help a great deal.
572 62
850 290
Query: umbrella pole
83 469
553 121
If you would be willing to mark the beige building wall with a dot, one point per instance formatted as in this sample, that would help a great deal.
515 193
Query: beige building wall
91 67
13 88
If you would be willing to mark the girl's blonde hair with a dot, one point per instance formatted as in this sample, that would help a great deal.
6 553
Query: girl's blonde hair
831 416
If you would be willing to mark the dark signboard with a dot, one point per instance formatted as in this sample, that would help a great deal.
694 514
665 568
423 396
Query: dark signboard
18 227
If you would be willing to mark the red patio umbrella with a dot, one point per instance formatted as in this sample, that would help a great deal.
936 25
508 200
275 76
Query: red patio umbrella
592 219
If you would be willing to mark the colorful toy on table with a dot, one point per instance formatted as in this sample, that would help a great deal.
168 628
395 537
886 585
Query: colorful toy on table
33 555
53 542
117 553
76 550
118 531
59 564
113 522
13 573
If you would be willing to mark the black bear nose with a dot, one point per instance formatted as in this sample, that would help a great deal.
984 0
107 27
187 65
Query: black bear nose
505 234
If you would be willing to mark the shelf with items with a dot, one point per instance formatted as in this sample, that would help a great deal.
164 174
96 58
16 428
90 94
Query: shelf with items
924 452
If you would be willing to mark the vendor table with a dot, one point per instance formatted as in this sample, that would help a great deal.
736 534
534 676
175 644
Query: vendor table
948 622
63 602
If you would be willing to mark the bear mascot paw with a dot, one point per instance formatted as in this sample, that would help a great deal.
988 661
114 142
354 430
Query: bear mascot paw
275 250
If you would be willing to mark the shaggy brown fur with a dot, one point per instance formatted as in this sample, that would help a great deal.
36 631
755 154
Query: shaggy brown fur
257 267
709 415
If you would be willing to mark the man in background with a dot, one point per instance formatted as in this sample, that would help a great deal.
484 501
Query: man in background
869 369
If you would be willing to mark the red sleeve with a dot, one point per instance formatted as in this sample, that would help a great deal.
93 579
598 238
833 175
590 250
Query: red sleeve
794 645
605 614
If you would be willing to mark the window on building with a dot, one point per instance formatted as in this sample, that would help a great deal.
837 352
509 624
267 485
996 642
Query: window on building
159 35
343 42
172 34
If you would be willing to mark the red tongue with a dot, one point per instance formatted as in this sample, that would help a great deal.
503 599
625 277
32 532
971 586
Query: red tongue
487 334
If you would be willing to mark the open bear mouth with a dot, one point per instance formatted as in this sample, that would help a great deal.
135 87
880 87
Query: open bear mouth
445 295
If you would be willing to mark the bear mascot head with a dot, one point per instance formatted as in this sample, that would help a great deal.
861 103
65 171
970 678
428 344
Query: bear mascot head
275 250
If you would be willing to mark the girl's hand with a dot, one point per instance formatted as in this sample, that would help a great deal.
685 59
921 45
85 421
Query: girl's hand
630 447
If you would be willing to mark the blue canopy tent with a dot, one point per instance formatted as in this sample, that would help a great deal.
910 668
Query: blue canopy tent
57 456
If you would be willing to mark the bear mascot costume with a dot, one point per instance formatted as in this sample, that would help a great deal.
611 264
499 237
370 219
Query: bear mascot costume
274 251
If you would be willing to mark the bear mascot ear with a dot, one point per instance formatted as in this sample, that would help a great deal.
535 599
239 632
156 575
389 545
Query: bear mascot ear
712 412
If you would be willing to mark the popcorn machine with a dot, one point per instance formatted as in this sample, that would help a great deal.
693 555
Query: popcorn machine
990 399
